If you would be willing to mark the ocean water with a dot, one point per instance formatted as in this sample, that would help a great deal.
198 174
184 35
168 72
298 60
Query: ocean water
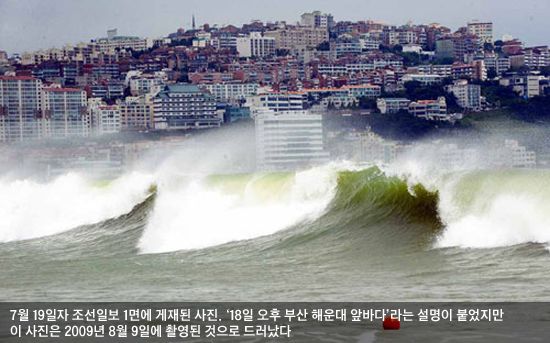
339 232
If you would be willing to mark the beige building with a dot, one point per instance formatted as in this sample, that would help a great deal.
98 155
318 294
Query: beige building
484 31
429 109
298 37
136 113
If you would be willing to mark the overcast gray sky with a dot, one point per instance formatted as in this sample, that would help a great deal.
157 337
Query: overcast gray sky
27 25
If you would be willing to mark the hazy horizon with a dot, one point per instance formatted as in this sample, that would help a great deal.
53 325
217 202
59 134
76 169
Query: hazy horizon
28 25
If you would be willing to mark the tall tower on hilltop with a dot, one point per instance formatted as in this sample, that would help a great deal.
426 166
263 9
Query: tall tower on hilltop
193 23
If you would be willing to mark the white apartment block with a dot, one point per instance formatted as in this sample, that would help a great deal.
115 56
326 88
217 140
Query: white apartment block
424 79
231 91
392 105
20 108
112 42
288 140
444 70
369 43
144 84
278 102
255 45
107 119
347 47
64 112
430 109
497 63
537 57
468 96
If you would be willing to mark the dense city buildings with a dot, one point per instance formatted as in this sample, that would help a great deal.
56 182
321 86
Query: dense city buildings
208 75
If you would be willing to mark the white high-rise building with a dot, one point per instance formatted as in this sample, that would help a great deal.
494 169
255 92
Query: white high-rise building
20 108
468 96
279 102
255 45
288 140
64 112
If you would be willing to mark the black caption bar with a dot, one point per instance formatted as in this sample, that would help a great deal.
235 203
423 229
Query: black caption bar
276 322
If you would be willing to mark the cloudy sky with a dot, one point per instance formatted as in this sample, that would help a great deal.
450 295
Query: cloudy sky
27 25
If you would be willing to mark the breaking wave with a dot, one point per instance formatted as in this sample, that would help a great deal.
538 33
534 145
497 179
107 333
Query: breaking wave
216 210
334 204
29 209
496 209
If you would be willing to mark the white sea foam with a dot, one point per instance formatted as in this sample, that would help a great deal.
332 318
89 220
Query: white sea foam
496 209
196 215
507 219
30 209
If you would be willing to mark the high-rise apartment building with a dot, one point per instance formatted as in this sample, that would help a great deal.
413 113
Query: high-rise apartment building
287 140
64 112
20 108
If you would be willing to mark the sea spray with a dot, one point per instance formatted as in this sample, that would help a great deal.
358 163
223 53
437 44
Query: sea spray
496 209
30 209
200 214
